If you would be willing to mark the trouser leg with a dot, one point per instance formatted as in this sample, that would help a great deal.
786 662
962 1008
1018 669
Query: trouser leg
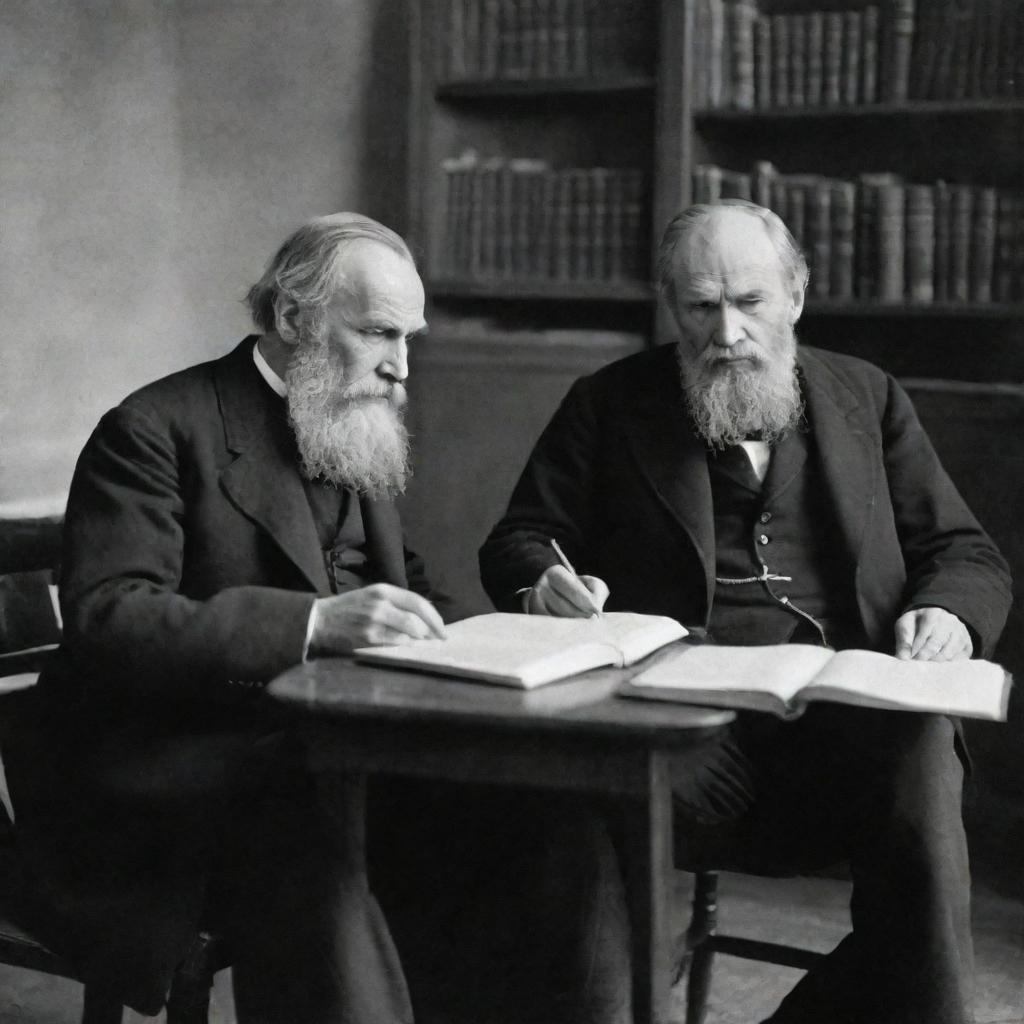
308 940
883 790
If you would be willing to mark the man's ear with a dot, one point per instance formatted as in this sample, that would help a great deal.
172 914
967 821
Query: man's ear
797 293
286 319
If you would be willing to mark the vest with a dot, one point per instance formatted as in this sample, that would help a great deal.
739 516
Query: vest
339 528
777 580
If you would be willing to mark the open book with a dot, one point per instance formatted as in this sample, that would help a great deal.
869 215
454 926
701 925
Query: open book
784 679
530 650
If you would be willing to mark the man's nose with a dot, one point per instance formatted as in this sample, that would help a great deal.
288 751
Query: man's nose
396 360
728 326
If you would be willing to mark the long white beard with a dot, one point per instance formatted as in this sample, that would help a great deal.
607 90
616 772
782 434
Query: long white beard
352 435
728 403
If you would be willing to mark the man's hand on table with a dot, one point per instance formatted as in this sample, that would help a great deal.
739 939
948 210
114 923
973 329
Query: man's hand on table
932 634
370 617
561 593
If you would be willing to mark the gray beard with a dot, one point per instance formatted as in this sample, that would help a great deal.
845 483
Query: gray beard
350 435
728 404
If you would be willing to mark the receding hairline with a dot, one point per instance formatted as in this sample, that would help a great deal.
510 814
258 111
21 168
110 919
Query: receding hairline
792 263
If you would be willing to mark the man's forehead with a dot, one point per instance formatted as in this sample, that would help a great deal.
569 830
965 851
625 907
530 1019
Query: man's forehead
377 279
728 243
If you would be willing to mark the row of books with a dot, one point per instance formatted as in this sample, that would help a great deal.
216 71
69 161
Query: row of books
882 239
907 49
531 39
968 49
520 219
746 60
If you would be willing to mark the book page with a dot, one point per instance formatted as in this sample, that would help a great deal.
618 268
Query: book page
781 670
532 649
976 689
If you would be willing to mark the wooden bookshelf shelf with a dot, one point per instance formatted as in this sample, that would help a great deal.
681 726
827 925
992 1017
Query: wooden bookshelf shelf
952 109
589 291
510 88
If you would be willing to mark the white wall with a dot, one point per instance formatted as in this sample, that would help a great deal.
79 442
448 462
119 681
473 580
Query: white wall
153 153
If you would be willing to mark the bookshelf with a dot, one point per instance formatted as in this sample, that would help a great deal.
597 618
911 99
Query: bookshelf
536 123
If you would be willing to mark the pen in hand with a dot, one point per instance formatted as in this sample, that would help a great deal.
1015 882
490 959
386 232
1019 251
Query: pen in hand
568 565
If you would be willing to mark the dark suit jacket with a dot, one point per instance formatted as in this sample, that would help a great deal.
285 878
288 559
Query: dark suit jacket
190 566
620 479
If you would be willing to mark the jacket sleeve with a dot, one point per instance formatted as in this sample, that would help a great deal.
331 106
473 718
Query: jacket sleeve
124 549
950 561
554 499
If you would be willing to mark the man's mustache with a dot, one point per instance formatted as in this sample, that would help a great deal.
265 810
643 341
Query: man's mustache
392 391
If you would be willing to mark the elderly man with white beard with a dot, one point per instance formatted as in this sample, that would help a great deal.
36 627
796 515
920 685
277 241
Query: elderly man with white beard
225 523
769 494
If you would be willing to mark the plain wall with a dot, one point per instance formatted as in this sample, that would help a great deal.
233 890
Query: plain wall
153 155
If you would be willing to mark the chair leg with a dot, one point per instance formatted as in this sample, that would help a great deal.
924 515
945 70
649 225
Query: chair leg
189 999
100 1008
703 922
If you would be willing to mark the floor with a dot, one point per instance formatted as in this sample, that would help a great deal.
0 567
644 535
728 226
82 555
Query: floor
811 911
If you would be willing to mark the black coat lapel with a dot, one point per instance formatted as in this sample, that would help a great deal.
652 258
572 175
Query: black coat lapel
672 458
846 448
263 482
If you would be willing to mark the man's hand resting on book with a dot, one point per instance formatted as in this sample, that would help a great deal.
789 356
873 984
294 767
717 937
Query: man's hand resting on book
370 616
932 634
561 593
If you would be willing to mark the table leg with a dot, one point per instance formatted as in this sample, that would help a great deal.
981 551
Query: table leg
650 868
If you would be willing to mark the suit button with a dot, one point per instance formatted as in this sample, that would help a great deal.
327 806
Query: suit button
763 539
766 517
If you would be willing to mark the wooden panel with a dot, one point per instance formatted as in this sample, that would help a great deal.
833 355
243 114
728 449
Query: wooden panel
977 431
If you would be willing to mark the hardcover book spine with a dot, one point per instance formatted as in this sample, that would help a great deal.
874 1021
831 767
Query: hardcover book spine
891 252
815 54
742 16
763 62
901 36
563 226
797 60
763 179
940 83
820 197
616 226
983 244
1005 230
844 210
599 223
866 247
869 51
961 218
579 41
490 32
506 222
780 200
476 222
451 170
796 210
560 38
780 60
833 59
851 57
920 243
636 237
542 63
453 58
471 27
965 39
700 65
581 266
943 255
716 53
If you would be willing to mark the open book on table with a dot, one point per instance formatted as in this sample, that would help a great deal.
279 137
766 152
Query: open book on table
530 650
783 679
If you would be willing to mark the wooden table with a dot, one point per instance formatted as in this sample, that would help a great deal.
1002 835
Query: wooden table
569 736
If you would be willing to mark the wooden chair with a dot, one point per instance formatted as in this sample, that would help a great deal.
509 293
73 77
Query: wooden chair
29 634
696 949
